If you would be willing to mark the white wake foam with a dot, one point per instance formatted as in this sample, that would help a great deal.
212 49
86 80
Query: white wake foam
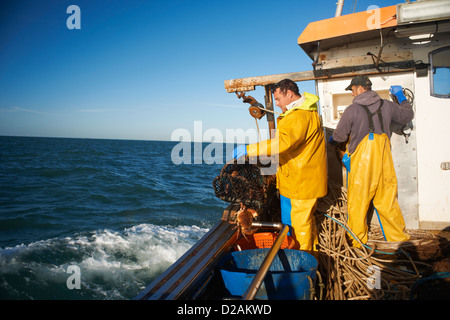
113 265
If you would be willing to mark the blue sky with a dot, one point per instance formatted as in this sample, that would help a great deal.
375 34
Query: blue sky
143 69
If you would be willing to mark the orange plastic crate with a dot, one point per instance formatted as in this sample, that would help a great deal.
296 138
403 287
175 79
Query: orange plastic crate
262 240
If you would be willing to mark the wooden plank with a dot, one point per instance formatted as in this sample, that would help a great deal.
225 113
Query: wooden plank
248 84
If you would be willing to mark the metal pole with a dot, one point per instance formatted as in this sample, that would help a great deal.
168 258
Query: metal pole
261 274
339 7
269 106
274 225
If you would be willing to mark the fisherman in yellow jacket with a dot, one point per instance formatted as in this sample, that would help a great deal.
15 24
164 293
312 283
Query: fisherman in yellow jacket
302 169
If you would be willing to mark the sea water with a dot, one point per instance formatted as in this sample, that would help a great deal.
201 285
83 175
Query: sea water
97 219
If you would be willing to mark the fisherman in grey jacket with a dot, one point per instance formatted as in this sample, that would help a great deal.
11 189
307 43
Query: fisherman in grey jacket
365 124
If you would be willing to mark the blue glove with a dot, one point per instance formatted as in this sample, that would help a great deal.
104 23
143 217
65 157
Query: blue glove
240 151
398 92
332 142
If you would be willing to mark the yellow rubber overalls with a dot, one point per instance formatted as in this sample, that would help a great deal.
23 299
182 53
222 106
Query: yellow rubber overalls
372 177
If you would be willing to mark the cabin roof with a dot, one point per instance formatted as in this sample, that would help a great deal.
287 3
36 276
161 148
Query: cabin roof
345 29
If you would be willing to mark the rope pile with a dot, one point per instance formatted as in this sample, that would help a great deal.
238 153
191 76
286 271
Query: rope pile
379 270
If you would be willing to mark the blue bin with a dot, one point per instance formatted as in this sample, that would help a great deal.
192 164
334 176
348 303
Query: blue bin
287 278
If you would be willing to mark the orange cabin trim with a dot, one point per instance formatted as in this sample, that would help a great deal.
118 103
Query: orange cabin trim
349 24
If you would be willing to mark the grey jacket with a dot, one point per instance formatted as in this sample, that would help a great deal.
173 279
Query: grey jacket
355 123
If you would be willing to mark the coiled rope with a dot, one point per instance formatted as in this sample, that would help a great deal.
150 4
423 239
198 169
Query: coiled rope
368 272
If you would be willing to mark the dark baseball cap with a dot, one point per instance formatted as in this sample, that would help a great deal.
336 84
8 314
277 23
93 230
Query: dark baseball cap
359 81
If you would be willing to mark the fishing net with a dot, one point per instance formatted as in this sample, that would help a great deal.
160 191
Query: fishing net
244 183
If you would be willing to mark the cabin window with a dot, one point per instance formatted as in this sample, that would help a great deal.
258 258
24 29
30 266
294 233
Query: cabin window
440 72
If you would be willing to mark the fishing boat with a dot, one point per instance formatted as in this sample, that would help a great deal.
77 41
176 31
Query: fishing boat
407 44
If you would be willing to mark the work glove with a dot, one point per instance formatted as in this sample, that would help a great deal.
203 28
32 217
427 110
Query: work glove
240 151
341 145
332 142
398 92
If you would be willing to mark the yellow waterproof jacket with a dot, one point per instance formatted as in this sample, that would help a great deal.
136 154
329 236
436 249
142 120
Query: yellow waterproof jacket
300 145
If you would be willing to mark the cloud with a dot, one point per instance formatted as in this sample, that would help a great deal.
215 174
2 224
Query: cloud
106 110
94 110
222 105
19 109
119 109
